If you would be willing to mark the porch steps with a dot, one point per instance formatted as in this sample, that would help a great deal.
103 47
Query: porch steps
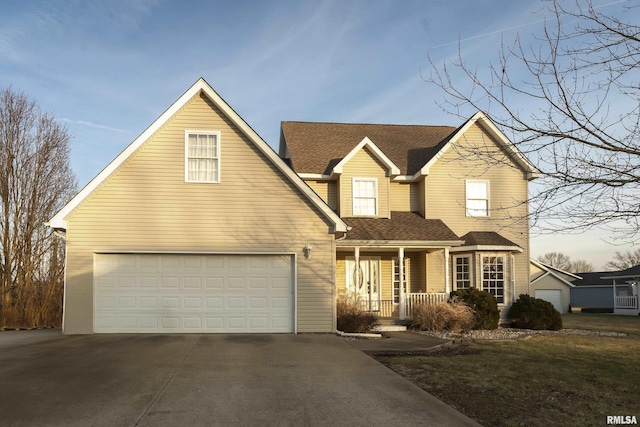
389 325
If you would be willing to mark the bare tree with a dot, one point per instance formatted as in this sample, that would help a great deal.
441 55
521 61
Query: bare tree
35 181
624 260
557 260
570 102
581 266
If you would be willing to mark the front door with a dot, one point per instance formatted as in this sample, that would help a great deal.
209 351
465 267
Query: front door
365 282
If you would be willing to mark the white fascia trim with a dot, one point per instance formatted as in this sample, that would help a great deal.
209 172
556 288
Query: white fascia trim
393 169
551 269
201 85
487 248
319 176
531 171
408 244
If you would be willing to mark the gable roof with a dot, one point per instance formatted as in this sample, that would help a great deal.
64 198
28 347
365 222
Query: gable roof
482 120
200 87
553 271
316 148
402 226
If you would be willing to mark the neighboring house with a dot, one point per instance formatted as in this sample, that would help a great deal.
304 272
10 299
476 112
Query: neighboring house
199 226
431 209
625 290
593 292
552 284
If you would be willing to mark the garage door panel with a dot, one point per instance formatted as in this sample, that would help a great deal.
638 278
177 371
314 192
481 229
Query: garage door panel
193 293
554 296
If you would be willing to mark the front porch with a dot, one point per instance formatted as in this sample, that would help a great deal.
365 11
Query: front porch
391 309
625 296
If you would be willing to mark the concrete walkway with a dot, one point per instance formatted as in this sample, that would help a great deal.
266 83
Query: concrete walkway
196 380
397 343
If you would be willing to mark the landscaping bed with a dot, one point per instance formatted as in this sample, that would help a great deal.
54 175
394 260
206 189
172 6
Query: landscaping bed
571 377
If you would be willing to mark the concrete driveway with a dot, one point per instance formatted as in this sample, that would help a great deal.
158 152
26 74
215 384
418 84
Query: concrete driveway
191 380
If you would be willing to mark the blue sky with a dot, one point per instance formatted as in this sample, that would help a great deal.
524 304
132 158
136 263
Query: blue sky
110 68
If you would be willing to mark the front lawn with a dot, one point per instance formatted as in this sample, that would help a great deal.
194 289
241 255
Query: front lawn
551 379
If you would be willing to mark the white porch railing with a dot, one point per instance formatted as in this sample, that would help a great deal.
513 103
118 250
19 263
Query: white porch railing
413 299
627 302
387 308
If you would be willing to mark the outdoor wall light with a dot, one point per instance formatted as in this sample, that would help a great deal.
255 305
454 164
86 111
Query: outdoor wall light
307 251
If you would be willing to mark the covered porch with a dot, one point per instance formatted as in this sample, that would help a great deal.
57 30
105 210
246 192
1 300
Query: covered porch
390 280
625 291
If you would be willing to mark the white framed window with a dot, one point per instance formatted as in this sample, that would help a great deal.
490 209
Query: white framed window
462 268
202 156
477 198
365 196
493 276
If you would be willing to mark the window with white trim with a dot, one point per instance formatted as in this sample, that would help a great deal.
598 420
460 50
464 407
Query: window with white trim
462 265
202 156
365 196
493 272
477 198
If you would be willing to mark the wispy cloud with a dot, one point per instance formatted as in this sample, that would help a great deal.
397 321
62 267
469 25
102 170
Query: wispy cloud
95 125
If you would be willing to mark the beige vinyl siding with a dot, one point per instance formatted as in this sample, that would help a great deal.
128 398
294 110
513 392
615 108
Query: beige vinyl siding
445 195
327 192
400 197
436 271
145 205
416 194
364 165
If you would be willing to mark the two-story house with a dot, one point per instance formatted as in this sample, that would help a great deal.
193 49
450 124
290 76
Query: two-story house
200 226
430 208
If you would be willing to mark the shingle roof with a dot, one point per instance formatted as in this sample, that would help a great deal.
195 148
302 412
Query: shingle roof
629 272
405 226
485 238
593 279
317 147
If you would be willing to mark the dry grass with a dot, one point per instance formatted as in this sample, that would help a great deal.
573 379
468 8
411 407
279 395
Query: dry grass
602 322
452 316
351 317
571 380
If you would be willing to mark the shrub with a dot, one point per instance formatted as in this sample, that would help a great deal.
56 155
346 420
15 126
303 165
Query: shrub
453 316
533 313
483 304
351 317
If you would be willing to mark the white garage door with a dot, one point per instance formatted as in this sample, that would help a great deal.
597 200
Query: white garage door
193 293
554 296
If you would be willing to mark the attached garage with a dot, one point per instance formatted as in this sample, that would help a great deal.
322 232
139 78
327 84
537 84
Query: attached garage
193 293
554 296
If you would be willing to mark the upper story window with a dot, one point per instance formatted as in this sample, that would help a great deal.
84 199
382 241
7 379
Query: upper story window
202 156
365 196
477 198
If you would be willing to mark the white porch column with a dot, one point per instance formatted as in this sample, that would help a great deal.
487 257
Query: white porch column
615 303
402 299
447 281
356 273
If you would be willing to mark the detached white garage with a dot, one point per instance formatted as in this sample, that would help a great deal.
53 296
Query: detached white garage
554 296
197 293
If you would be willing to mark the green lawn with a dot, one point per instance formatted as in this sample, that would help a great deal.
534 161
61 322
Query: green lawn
568 380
